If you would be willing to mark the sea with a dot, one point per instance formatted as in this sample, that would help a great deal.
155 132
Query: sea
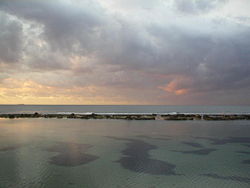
78 153
121 109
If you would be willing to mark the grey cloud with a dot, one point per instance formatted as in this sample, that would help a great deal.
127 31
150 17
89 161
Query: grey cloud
66 26
135 4
48 61
129 49
74 30
226 64
198 6
68 30
225 58
10 39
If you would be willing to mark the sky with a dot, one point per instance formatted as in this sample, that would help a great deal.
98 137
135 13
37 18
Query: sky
166 52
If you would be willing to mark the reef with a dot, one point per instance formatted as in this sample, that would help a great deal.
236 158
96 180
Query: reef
132 116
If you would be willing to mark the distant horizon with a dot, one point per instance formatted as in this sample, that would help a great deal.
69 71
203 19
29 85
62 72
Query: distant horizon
114 105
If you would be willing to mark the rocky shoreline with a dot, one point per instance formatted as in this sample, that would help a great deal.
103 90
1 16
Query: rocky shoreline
132 116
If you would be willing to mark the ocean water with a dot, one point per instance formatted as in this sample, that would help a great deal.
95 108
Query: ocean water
73 153
121 109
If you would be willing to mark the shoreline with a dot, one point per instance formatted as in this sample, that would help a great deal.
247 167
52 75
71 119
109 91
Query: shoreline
133 116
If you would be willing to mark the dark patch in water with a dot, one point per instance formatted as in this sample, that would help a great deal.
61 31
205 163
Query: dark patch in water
151 137
205 151
149 166
244 152
229 140
137 159
9 148
246 145
71 183
120 139
246 161
232 178
193 144
164 135
144 136
71 154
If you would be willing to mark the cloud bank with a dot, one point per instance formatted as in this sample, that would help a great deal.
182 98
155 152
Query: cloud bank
125 52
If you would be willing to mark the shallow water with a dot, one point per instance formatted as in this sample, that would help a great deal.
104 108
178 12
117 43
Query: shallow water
124 154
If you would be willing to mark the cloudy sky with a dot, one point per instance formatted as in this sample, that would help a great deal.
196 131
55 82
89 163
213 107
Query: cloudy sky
125 52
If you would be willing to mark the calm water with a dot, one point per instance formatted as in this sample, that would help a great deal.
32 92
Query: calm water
64 153
121 109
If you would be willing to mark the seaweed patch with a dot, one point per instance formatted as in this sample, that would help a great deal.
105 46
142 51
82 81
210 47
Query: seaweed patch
231 178
246 161
136 158
204 151
246 145
228 140
193 144
10 148
153 137
244 152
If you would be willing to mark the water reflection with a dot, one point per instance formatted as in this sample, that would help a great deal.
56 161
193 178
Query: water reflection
71 154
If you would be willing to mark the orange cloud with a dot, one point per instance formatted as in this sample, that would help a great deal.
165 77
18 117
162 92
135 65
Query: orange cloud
178 86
